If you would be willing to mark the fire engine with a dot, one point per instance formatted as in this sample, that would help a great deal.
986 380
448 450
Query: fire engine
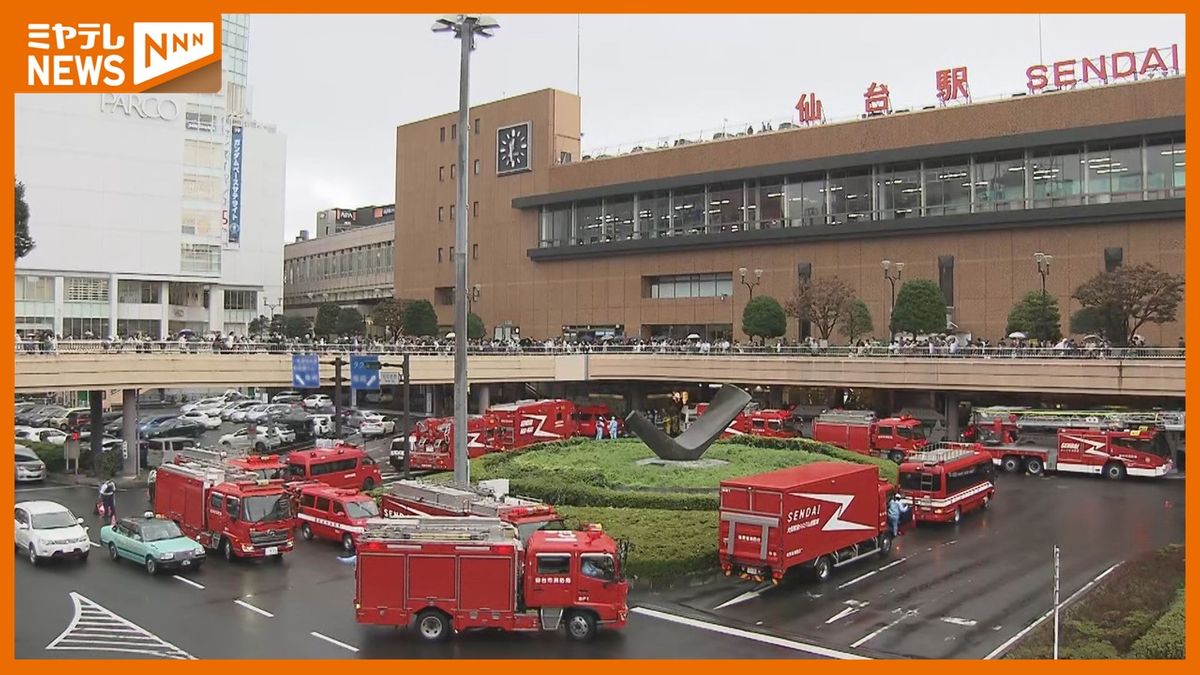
413 498
433 441
268 467
1006 425
527 422
586 415
336 514
819 516
225 508
446 574
945 482
343 465
1113 454
861 431
769 423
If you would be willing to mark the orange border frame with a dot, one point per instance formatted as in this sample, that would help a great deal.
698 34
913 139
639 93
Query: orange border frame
12 42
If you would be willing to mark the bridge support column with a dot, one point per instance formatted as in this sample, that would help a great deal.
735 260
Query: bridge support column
129 418
952 425
483 397
635 399
775 397
96 426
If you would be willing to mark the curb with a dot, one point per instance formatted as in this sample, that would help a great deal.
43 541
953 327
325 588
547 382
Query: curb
123 482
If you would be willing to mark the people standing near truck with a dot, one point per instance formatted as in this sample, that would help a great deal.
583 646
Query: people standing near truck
895 511
599 428
150 480
613 427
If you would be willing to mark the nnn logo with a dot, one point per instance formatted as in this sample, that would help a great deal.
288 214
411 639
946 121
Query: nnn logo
159 48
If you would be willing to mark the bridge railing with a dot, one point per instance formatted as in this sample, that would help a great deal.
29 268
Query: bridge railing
175 347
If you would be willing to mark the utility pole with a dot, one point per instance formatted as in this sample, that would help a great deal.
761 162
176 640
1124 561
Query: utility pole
1056 572
338 362
407 421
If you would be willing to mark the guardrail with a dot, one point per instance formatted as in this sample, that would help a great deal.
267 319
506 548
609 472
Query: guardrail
29 349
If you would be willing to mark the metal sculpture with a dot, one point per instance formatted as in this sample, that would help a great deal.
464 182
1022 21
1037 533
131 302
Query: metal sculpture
703 432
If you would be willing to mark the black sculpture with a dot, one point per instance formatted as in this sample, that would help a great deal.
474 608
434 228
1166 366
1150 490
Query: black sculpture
704 431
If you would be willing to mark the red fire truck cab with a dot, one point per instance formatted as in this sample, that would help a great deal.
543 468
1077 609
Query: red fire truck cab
413 498
527 422
226 509
817 516
336 514
1113 454
944 483
769 423
860 431
445 575
585 417
343 466
433 441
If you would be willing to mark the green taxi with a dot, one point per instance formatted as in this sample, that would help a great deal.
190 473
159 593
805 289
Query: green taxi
155 543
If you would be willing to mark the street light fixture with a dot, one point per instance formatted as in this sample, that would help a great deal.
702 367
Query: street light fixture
464 27
888 266
1043 261
750 284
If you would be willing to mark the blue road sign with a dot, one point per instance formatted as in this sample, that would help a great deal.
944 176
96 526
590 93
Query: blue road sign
364 371
306 371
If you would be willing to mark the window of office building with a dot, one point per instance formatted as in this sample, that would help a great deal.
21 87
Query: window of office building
241 299
201 188
38 289
1113 257
475 127
453 174
139 292
654 214
850 196
199 117
618 218
201 258
453 131
805 197
727 207
556 225
134 327
589 219
1164 167
442 135
85 289
1114 172
1000 181
1056 177
946 278
687 212
439 254
441 173
78 327
899 188
691 285
476 167
765 207
947 188
444 295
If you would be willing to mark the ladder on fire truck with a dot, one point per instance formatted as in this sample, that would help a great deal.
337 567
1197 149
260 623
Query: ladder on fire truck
208 470
438 529
848 417
1058 419
942 452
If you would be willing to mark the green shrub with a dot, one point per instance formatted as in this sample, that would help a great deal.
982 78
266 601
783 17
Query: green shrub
1165 639
50 454
665 543
107 464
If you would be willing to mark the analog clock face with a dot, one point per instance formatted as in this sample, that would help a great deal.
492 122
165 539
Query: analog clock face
512 148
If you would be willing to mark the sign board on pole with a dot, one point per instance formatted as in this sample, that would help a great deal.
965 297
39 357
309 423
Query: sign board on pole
364 371
391 377
306 371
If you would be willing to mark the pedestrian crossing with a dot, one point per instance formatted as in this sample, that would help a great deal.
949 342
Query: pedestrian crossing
94 628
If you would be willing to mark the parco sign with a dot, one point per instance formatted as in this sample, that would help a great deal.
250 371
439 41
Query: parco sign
145 107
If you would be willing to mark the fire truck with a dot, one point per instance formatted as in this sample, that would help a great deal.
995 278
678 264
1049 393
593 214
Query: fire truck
861 431
527 422
943 483
225 508
442 575
336 514
433 441
1113 454
769 423
585 417
413 498
1007 425
267 467
817 516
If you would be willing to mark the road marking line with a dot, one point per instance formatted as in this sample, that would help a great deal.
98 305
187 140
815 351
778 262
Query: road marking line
841 615
857 579
958 622
93 543
123 629
252 608
741 598
330 640
893 563
749 635
188 581
875 633
1008 643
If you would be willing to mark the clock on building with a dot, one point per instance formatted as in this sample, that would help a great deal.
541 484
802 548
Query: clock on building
512 148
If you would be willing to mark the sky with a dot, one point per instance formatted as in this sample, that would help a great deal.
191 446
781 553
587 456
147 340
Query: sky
339 85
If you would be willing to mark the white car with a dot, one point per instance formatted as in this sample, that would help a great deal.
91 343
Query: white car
30 467
243 414
49 530
229 412
202 418
376 425
263 440
203 403
317 401
322 425
42 435
262 413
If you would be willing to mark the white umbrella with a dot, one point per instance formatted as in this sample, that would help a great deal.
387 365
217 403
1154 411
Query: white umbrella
1017 335
693 336
449 336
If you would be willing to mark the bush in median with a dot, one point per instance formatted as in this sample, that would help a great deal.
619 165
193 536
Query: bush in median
1165 639
665 543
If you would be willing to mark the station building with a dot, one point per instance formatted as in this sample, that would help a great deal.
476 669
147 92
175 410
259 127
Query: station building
653 242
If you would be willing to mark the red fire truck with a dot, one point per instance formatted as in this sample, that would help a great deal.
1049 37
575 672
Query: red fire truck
336 514
445 575
861 431
942 484
818 516
226 509
344 466
1113 454
413 498
267 467
433 441
527 422
770 423
586 415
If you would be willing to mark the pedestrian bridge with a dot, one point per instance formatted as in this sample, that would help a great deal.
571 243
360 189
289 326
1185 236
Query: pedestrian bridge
1113 376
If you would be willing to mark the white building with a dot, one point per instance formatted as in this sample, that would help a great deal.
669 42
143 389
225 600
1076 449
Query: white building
130 209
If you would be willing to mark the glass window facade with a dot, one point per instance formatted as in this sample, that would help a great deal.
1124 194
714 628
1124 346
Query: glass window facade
201 258
38 289
85 289
241 300
139 292
947 186
806 199
690 285
899 190
850 196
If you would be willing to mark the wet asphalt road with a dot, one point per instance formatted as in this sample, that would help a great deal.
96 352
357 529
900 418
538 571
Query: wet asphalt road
962 591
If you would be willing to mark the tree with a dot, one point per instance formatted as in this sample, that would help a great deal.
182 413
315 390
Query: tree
920 308
764 317
475 327
259 326
389 314
24 243
350 321
824 301
278 324
326 323
1096 321
297 326
1036 315
1129 297
858 321
420 318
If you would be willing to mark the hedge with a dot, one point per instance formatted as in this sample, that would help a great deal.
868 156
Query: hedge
665 543
1165 639
51 455
888 469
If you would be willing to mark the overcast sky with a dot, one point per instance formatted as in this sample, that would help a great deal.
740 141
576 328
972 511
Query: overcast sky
338 85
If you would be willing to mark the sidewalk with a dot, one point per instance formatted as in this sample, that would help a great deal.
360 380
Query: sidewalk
123 482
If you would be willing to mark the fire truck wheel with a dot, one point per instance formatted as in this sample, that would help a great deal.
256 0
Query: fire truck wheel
306 532
885 545
1034 466
896 456
260 448
227 550
822 569
957 516
348 543
151 566
1010 464
433 625
368 483
1114 471
581 626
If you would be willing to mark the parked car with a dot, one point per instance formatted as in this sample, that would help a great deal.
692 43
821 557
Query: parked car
42 416
176 427
158 450
267 412
26 414
374 424
63 420
287 393
245 415
47 529
388 420
291 399
262 440
151 423
154 543
41 435
202 418
24 406
229 412
317 401
30 467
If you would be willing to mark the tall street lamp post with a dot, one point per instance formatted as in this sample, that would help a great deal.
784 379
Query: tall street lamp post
464 27
750 284
1043 261
888 266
